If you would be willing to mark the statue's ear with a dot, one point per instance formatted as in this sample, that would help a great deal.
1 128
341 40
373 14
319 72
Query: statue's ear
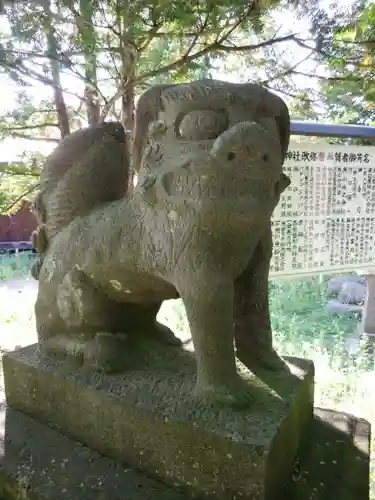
272 106
283 124
283 183
147 111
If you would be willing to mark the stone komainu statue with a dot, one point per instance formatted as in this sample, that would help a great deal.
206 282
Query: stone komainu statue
209 158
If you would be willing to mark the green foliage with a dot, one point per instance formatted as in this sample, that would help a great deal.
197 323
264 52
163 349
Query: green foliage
302 108
30 119
107 43
18 181
74 62
346 45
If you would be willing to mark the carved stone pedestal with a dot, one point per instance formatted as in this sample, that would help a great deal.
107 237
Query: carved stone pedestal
147 419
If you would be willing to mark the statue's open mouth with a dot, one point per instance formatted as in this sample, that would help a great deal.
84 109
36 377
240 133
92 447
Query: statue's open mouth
201 187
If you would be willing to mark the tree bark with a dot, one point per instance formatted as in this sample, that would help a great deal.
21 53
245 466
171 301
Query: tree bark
127 106
52 47
127 120
128 55
87 32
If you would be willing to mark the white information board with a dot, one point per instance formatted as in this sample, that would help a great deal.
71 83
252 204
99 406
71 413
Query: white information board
325 220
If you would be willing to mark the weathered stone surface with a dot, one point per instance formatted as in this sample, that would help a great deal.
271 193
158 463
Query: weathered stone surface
148 419
209 156
38 463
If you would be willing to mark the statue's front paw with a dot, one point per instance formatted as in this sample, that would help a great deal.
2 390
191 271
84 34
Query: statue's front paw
261 359
106 353
237 395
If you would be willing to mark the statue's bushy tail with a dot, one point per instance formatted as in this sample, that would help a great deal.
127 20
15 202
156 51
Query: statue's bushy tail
87 168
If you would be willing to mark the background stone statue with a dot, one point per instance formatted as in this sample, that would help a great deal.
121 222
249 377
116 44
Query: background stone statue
209 155
88 167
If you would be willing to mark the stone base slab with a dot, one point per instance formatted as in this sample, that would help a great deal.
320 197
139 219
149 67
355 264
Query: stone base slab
39 463
148 419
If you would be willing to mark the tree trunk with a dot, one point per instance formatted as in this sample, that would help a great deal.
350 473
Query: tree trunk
127 100
92 103
128 55
127 120
88 37
127 106
53 53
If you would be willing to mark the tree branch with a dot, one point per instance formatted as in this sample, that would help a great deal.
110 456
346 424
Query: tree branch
308 100
151 34
302 43
19 115
261 45
35 138
30 73
198 34
110 102
237 23
214 47
112 57
356 42
288 71
17 200
329 78
16 169
31 127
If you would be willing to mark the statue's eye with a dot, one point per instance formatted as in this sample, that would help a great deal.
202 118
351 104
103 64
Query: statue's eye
202 125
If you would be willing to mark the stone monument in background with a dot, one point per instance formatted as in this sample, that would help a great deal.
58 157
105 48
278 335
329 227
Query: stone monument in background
225 418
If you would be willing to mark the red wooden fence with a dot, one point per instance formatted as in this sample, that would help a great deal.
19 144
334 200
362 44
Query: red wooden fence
17 227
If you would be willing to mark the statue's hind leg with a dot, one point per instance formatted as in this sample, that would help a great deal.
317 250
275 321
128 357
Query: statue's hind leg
91 329
253 331
80 324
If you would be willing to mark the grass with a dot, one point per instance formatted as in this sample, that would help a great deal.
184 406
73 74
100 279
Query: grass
301 326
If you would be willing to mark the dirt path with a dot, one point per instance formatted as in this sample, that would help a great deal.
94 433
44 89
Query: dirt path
17 298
